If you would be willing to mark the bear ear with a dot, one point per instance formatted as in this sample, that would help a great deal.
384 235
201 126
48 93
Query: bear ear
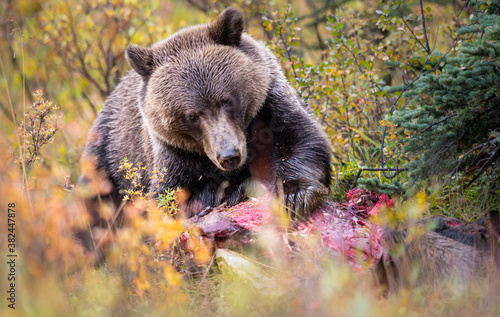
140 59
227 29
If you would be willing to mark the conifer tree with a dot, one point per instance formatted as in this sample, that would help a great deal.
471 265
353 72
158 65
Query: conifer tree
451 125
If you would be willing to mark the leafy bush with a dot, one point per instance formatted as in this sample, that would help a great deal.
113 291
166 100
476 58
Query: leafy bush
451 126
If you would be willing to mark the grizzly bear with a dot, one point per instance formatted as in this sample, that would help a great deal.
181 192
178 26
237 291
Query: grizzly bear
210 106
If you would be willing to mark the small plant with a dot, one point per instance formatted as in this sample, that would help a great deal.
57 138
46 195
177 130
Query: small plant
134 175
166 201
36 130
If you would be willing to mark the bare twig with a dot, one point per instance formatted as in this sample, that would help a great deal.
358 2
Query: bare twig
317 21
463 7
495 156
428 48
438 122
80 57
414 36
376 170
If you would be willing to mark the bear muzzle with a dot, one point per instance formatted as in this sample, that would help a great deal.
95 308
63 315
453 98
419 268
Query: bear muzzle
224 141
229 159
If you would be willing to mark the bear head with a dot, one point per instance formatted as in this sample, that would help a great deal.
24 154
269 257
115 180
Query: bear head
201 91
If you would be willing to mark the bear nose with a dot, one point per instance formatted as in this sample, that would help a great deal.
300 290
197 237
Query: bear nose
229 159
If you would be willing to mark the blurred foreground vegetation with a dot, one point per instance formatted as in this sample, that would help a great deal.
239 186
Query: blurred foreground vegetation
407 92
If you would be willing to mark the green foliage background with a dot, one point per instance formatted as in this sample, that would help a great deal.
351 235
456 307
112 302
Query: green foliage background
340 55
407 92
451 123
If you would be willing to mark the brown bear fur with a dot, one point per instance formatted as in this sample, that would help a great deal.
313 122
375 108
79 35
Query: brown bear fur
465 254
207 103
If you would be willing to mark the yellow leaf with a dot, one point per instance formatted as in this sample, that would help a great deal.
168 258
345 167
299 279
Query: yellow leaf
421 198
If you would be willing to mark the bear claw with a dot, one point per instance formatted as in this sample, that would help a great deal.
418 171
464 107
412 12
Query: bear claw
301 202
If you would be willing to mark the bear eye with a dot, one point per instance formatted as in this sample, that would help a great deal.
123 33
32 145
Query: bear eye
226 103
193 117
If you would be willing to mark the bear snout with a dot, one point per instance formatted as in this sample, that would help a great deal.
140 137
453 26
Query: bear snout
229 159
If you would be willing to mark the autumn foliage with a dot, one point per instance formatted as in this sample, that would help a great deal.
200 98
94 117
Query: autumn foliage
375 73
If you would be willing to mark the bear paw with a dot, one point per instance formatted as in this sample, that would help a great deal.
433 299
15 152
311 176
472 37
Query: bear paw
301 199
